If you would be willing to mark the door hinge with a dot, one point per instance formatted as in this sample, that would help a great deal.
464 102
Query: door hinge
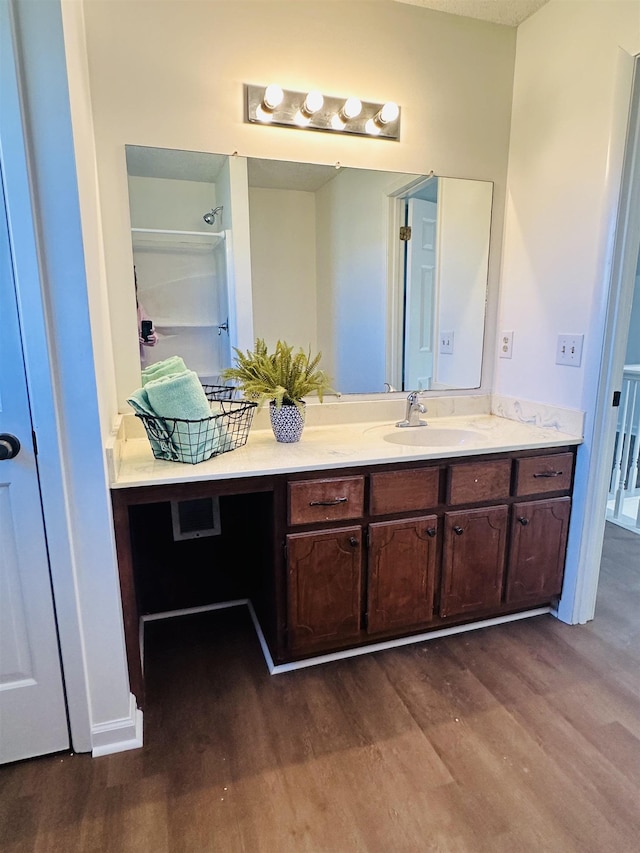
35 442
616 399
405 232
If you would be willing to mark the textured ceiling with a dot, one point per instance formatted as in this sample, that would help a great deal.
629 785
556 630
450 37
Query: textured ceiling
508 12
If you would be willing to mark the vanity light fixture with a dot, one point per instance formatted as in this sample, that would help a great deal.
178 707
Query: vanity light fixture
314 111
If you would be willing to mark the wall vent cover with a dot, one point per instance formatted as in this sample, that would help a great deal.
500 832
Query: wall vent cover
195 519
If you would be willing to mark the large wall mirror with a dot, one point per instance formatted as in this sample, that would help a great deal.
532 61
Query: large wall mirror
384 272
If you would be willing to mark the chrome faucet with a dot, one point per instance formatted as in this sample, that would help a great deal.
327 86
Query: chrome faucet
414 410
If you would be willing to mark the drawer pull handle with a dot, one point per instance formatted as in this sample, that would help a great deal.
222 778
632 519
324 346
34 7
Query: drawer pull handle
353 541
333 502
523 521
549 474
458 530
431 531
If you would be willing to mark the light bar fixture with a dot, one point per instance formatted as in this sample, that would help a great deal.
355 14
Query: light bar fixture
314 111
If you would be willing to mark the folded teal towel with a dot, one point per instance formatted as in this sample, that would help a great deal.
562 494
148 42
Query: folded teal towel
162 448
179 395
171 365
182 396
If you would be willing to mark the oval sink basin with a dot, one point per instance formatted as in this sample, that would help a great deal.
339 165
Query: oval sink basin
432 436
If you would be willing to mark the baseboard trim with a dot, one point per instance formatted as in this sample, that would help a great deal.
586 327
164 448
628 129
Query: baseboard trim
276 669
118 735
402 641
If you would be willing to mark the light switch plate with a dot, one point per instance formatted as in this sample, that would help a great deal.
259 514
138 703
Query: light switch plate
446 343
569 350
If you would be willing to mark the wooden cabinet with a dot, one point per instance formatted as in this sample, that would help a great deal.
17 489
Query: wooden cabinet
418 547
473 560
324 587
537 552
350 557
401 573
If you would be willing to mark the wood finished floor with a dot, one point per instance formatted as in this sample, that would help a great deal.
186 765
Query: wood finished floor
522 737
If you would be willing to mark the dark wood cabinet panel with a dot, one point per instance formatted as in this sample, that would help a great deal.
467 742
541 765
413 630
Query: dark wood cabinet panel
537 550
473 559
477 482
327 500
324 587
402 564
539 474
404 491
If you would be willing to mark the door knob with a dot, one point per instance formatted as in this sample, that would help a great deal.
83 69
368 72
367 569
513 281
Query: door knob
9 446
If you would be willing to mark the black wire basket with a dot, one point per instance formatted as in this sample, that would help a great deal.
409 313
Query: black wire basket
181 440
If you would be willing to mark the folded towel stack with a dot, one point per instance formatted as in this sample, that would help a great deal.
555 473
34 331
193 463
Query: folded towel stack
170 391
168 367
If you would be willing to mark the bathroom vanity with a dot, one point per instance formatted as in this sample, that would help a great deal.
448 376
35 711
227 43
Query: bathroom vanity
354 537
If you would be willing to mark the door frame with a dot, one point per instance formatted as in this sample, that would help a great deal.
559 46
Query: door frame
621 256
45 420
47 187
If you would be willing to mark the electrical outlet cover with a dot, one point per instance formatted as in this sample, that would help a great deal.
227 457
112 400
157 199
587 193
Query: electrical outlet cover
506 344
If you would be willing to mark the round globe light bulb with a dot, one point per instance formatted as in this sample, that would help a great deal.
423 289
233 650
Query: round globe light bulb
389 112
273 96
313 102
302 118
371 127
262 114
352 107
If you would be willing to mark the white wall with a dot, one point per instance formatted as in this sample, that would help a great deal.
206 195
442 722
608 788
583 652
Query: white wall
633 342
171 74
464 220
283 266
353 211
571 98
557 215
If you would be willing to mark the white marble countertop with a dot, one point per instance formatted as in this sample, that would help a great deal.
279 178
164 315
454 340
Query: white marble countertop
336 446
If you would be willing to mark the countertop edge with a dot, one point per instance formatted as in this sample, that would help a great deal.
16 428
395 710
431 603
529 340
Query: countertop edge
137 468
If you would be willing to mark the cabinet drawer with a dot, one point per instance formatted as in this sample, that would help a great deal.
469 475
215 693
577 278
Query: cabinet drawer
471 482
404 491
325 500
540 474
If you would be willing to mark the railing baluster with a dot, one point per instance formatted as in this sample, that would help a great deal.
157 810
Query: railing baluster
626 463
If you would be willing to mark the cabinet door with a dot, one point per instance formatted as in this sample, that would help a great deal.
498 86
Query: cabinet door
324 572
537 551
473 560
402 561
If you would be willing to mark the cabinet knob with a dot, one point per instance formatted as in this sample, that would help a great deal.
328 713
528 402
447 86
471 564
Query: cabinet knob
353 541
431 531
523 521
458 530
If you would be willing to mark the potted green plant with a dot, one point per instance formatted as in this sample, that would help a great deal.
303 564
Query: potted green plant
282 377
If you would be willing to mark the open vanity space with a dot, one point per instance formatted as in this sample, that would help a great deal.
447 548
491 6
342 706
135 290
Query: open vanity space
357 538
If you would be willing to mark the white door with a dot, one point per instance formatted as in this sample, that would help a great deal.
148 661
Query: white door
33 718
420 284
